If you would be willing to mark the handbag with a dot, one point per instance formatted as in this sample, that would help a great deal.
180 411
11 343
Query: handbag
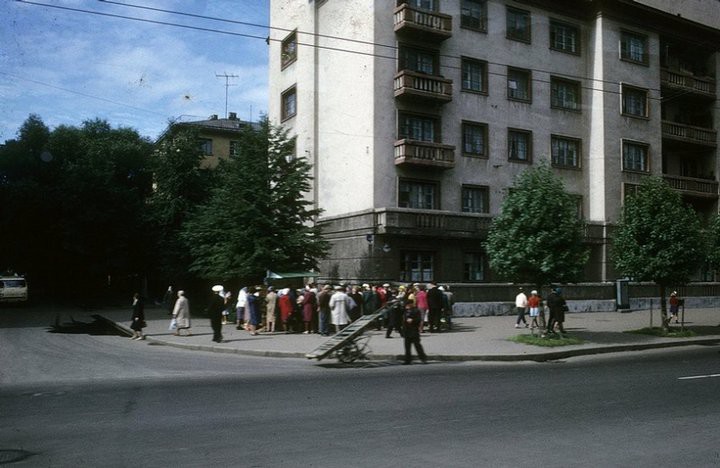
173 324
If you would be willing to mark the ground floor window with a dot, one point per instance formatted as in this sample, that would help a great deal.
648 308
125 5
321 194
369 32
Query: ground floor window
417 266
474 266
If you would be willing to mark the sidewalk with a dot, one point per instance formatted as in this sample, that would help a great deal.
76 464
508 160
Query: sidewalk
472 338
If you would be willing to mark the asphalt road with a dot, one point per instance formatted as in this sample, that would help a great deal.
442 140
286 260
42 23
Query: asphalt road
75 399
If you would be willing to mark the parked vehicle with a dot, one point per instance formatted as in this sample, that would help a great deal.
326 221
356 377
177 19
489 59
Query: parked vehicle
13 289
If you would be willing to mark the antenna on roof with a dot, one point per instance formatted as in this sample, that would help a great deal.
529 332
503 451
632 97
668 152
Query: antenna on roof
227 85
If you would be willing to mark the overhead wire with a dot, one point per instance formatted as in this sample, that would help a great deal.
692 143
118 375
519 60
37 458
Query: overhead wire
269 39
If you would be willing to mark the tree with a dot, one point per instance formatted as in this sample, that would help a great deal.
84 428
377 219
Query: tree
658 238
256 217
180 184
537 237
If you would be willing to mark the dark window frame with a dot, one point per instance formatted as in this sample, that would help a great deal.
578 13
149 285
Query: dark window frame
557 24
409 202
510 143
285 99
475 189
626 92
483 128
467 61
474 23
288 50
520 34
556 102
625 158
527 74
626 48
554 157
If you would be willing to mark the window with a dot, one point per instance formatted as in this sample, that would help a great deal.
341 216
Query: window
635 156
518 84
633 47
565 152
564 37
416 194
474 75
473 266
431 5
634 101
289 103
417 127
474 142
519 146
234 148
473 14
564 94
417 267
475 199
418 60
518 24
206 146
288 50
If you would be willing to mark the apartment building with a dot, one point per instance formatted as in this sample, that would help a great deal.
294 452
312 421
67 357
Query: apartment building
219 138
417 116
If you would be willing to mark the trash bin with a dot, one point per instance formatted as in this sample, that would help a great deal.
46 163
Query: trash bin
622 293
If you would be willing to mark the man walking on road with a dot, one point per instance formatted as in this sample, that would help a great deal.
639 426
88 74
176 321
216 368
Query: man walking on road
521 306
411 332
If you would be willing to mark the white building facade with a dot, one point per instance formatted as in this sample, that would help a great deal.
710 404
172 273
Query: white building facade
418 115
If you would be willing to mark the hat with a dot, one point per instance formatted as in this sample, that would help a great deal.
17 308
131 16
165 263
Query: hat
674 293
217 288
533 292
441 288
339 288
386 285
326 287
270 288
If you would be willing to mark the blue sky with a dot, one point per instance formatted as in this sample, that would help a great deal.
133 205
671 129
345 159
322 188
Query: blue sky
69 66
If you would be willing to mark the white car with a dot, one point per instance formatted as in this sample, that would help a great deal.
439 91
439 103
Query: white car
13 289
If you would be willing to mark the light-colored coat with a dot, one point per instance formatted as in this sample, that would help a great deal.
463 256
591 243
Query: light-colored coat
339 306
181 312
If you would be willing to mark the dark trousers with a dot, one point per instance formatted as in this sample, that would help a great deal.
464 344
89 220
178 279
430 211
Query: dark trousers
551 324
393 323
434 319
521 315
216 324
414 340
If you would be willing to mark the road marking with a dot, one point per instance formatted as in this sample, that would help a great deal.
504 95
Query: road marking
692 377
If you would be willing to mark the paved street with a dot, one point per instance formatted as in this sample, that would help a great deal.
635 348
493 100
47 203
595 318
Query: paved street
77 399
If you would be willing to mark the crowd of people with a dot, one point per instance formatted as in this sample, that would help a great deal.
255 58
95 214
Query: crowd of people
533 305
327 308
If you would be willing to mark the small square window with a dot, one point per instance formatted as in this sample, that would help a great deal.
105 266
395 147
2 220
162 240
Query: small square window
518 84
475 199
289 103
473 14
635 157
288 50
234 148
564 94
206 146
519 146
634 47
473 266
518 24
564 37
634 101
474 75
565 152
474 139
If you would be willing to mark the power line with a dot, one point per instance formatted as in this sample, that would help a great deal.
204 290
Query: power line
268 39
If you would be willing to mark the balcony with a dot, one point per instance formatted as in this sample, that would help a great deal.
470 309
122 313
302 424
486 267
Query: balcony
689 133
689 83
410 222
704 188
414 85
415 23
424 154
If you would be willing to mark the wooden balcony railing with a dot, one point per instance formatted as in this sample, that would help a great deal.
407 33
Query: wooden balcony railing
689 133
423 24
423 153
410 84
693 186
703 85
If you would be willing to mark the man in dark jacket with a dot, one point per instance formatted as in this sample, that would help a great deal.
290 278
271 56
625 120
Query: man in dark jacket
411 332
557 305
435 306
215 308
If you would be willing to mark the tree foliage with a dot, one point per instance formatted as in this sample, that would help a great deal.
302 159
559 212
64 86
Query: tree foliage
537 237
658 238
256 217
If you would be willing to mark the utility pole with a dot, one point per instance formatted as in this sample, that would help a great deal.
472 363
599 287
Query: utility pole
227 85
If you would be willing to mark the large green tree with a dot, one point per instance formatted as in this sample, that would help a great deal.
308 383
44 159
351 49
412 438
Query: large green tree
538 236
181 182
256 217
658 238
72 203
